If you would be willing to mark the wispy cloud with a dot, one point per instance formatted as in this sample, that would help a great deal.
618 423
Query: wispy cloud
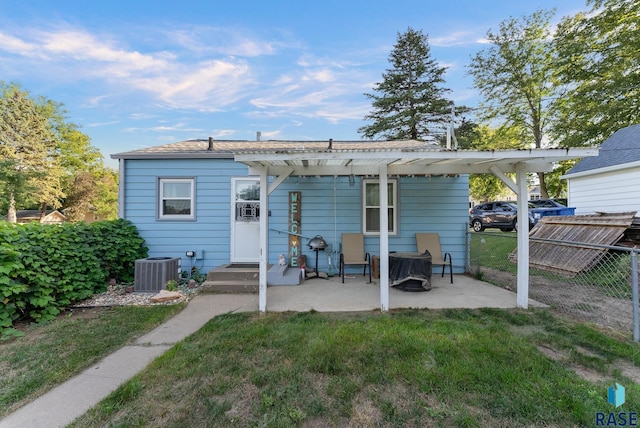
202 69
97 124
207 84
456 38
206 40
178 127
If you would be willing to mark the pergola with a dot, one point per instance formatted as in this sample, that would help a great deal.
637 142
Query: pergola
396 158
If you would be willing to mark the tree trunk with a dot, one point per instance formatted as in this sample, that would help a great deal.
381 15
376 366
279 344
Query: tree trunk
543 186
11 214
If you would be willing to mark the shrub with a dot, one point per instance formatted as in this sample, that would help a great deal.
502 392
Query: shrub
44 268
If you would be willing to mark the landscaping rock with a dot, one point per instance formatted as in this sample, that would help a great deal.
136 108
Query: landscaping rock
165 296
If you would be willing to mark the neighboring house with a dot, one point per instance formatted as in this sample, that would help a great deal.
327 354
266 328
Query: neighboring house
211 197
49 217
609 182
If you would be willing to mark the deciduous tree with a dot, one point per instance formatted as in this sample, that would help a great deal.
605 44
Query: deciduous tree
514 75
48 162
598 59
484 187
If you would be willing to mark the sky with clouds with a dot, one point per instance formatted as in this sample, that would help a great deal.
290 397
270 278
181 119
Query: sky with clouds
140 73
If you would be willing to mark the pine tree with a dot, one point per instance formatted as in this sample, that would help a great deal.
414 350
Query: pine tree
30 171
410 101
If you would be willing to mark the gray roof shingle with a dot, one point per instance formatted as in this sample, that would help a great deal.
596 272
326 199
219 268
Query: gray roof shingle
622 147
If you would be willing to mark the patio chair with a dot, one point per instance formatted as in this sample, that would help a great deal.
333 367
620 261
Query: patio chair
431 242
353 253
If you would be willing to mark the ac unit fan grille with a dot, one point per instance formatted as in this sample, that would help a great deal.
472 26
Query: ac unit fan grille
153 273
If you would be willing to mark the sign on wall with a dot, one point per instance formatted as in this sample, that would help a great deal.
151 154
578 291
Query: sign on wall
294 228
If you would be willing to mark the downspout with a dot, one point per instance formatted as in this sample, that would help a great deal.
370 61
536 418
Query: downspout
121 187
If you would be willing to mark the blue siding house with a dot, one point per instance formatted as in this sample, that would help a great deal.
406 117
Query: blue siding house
251 201
329 206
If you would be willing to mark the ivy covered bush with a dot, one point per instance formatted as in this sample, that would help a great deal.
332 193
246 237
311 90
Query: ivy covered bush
45 268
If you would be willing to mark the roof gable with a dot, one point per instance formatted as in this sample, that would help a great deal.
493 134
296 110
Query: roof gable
621 148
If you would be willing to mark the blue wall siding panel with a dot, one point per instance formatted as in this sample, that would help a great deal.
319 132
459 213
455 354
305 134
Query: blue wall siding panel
329 207
209 232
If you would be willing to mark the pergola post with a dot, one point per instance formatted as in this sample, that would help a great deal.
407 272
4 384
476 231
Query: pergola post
384 239
264 238
522 296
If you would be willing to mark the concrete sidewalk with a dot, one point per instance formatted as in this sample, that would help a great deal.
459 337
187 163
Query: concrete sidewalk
60 406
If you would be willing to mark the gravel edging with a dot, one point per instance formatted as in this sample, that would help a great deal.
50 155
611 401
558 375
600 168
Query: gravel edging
117 295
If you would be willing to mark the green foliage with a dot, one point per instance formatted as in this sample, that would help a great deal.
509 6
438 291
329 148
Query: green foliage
411 97
45 268
486 187
597 59
29 144
106 200
47 161
514 75
120 246
10 290
172 285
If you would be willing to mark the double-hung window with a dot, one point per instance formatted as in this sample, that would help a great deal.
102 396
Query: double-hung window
371 206
176 199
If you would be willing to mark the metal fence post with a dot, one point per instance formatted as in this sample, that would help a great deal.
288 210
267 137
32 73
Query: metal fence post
634 293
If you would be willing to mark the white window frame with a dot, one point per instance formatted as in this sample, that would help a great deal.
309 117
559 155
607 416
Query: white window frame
393 205
161 198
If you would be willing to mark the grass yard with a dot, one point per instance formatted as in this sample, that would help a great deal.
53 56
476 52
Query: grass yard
50 354
462 368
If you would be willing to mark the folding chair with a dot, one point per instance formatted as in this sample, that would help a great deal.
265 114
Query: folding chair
353 253
431 242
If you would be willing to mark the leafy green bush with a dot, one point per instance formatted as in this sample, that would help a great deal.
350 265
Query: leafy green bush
119 246
44 268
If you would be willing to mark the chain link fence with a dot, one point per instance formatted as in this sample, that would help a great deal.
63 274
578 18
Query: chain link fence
601 294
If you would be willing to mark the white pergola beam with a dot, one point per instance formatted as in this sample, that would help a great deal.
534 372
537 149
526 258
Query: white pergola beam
504 178
279 179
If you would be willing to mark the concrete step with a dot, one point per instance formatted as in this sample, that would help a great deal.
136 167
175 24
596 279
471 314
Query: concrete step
234 272
234 286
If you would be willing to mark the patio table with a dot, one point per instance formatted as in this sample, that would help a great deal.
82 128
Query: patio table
410 271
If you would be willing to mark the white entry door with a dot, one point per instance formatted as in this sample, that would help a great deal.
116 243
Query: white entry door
245 220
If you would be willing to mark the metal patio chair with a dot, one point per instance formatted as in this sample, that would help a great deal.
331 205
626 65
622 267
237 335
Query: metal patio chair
353 253
431 242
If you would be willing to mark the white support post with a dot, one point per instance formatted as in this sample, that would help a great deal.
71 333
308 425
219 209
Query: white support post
522 297
384 239
264 238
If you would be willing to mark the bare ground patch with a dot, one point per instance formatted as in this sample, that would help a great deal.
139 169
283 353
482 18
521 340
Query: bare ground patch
581 302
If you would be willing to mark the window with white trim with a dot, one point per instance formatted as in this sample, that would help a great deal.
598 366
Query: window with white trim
371 206
176 199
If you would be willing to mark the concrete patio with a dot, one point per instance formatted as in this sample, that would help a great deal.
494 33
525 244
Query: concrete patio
330 295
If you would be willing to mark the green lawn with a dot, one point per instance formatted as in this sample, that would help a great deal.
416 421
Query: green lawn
418 368
50 354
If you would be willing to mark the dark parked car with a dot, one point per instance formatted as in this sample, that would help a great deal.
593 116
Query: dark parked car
546 203
501 215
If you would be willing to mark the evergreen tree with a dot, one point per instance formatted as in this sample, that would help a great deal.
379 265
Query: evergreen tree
410 101
28 150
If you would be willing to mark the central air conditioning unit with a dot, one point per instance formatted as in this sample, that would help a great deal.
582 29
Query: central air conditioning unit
153 273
